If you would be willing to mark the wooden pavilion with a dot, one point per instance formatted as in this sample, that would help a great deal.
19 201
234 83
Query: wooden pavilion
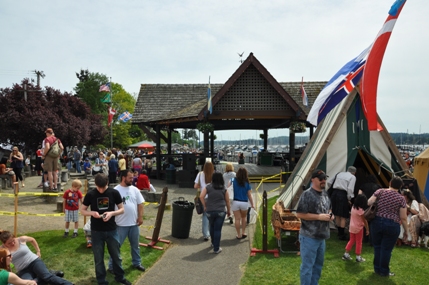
250 99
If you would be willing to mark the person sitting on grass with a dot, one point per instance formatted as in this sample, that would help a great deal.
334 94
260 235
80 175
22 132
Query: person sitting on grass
28 264
7 277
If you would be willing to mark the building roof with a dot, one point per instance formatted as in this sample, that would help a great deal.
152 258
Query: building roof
251 97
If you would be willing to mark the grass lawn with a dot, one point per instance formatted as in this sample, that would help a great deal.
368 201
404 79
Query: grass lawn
407 263
71 256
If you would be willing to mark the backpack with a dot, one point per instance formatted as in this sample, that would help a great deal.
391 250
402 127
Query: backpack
55 150
149 164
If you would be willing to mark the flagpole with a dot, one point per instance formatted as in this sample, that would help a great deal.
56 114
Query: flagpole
111 123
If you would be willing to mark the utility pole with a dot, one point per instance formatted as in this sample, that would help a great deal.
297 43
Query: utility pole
39 74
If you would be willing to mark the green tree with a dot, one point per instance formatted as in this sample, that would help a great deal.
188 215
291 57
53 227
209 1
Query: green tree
88 90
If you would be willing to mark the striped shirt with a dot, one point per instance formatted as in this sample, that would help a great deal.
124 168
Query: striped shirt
389 203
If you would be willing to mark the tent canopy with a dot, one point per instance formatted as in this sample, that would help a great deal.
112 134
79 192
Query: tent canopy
342 140
421 171
142 144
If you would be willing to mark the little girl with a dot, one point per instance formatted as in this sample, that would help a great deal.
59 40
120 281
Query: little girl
357 222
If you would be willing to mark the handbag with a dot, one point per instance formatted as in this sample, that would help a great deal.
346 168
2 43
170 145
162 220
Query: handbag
198 205
96 170
370 212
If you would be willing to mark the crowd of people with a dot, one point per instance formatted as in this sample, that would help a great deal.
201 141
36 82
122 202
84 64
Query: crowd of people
397 218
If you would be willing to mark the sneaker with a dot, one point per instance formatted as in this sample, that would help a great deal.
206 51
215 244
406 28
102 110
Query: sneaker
110 270
88 244
74 235
125 281
218 251
360 259
347 256
206 238
66 234
46 184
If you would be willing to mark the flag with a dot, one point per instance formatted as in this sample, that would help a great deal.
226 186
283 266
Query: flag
209 99
337 88
105 87
303 94
372 70
112 112
106 99
125 116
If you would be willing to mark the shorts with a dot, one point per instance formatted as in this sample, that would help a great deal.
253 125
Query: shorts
50 164
71 216
239 205
88 234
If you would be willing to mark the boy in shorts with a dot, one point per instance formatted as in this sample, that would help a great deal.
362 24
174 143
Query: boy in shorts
71 206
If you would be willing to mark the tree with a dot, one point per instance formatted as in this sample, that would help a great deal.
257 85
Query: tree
23 122
88 90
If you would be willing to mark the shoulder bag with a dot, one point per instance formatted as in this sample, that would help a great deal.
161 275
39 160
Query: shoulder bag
198 205
370 212
331 189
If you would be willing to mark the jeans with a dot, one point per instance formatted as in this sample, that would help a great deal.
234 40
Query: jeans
133 234
205 230
77 162
384 233
312 257
37 269
69 165
216 220
111 239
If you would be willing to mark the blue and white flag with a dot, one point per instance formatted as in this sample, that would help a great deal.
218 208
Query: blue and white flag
125 116
343 82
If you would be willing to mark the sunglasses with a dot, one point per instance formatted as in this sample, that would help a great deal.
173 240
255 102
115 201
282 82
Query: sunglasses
321 177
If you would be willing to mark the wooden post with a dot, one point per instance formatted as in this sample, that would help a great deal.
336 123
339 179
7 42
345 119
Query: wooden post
15 222
254 251
155 236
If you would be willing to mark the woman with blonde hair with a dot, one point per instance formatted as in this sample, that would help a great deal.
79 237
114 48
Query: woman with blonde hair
203 178
240 204
7 277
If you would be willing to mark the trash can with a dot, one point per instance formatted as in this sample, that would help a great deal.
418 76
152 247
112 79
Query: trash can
170 176
182 218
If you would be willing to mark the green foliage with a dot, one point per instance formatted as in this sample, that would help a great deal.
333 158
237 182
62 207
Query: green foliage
77 261
285 269
87 89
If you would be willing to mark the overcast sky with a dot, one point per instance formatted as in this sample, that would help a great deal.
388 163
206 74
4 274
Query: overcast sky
186 41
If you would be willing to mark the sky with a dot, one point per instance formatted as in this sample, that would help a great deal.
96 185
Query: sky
186 41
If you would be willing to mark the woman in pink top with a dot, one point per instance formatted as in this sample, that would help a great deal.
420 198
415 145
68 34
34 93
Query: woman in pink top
357 222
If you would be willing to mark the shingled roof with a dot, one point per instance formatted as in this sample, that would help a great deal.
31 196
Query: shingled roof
251 97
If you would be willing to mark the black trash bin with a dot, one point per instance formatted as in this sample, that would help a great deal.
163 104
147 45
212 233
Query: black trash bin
170 176
182 218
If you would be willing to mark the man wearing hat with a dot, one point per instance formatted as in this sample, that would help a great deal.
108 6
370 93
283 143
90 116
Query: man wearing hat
344 187
314 210
50 163
87 166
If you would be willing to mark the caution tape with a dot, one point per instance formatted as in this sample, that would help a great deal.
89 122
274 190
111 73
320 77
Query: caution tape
40 215
3 213
7 195
38 194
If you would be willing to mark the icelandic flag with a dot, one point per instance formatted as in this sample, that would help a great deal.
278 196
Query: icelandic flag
337 88
105 87
209 99
125 116
303 94
112 112
372 70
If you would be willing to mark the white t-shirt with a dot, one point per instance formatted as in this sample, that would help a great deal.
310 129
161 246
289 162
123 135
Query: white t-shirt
131 198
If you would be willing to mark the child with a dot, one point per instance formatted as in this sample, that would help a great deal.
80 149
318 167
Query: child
357 222
71 204
135 177
87 230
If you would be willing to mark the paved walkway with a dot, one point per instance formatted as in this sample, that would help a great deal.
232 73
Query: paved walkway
192 261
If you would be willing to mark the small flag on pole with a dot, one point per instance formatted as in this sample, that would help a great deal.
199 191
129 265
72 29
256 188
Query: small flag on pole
209 98
105 87
112 112
106 99
125 116
303 94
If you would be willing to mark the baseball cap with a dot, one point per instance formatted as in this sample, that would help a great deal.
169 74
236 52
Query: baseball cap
319 174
